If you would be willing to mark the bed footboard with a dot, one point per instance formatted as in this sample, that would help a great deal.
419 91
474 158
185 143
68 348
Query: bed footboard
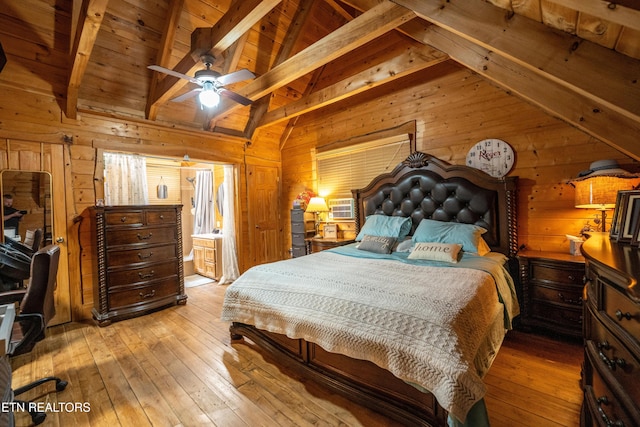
359 380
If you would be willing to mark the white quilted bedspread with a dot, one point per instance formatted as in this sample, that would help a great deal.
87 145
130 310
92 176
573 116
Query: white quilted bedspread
425 324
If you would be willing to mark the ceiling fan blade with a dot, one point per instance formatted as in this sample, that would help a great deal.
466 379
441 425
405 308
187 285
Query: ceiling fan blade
234 96
236 76
187 95
174 73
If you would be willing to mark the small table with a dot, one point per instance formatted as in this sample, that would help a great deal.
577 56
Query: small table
319 244
552 285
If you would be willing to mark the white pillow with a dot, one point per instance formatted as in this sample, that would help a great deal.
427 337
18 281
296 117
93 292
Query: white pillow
447 252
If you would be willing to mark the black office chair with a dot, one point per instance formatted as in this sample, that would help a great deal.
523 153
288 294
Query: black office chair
36 310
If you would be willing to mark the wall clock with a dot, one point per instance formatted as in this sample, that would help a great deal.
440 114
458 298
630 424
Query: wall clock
492 156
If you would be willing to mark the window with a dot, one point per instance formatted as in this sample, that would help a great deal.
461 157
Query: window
351 167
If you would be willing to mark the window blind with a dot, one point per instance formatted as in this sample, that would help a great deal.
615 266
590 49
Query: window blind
343 169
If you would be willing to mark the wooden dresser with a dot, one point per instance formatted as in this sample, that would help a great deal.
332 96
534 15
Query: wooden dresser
138 256
611 368
551 287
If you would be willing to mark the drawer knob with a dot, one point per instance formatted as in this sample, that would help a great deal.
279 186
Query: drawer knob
149 275
620 315
123 219
142 256
569 300
148 294
147 237
161 216
603 400
612 363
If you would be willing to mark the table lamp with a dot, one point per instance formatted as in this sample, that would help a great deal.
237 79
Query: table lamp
597 188
317 205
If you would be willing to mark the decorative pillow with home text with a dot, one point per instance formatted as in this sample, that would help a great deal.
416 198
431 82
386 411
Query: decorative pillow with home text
433 251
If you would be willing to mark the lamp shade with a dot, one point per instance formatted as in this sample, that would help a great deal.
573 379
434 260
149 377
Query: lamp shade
317 204
599 192
597 188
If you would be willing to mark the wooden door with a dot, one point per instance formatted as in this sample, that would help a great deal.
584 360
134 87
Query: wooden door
264 210
36 157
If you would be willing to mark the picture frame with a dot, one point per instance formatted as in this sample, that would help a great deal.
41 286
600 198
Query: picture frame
330 231
630 217
616 222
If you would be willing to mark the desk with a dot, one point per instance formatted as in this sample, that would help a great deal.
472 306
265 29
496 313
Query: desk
7 315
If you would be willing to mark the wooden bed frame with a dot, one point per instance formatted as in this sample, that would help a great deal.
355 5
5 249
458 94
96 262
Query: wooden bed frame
421 187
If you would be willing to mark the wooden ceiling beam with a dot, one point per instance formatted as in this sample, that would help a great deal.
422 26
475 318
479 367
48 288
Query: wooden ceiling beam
407 62
241 16
578 109
602 80
592 70
368 26
164 53
260 107
89 21
611 11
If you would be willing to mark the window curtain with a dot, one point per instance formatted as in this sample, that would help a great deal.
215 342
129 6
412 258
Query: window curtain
125 179
230 270
204 220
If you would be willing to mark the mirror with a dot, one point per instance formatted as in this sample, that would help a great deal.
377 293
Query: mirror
27 209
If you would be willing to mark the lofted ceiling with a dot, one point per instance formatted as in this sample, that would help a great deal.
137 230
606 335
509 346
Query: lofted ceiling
577 59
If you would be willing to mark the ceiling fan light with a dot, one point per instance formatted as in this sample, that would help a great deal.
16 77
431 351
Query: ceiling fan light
209 97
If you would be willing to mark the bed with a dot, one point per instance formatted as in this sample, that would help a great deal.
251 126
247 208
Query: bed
408 319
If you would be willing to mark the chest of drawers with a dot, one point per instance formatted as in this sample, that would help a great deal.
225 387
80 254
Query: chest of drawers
299 233
551 287
138 256
611 368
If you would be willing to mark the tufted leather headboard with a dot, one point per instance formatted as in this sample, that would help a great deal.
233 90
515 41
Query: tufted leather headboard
423 186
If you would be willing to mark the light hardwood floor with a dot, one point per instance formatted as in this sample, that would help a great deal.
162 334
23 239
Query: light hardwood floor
176 367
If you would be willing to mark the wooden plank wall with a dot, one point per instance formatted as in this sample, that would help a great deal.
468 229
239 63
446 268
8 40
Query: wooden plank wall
455 108
28 130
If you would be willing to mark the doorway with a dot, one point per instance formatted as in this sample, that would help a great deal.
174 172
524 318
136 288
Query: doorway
197 186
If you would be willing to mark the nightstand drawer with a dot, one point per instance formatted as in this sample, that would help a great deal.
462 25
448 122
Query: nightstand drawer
562 317
557 274
567 295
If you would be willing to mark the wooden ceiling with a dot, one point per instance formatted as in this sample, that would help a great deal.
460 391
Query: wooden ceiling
577 59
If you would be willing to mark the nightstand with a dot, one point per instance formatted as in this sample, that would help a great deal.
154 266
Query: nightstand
318 245
551 290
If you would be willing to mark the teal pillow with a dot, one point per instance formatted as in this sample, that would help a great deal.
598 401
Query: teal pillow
468 235
382 225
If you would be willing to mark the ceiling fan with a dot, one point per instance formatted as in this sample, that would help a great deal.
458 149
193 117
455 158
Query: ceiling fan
211 83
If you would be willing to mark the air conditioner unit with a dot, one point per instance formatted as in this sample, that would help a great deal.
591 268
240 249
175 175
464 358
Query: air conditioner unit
341 209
